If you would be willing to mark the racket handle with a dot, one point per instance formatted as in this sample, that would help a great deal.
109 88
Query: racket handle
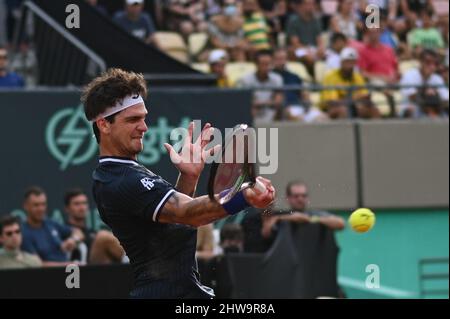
259 187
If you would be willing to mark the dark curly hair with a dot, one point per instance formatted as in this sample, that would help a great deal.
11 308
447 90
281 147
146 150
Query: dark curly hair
108 89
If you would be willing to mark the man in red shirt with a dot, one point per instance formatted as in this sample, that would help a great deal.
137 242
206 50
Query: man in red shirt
378 63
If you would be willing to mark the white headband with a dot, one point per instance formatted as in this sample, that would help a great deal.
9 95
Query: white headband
127 102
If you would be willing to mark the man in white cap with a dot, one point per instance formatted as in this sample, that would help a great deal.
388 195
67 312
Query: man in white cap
136 22
339 103
217 62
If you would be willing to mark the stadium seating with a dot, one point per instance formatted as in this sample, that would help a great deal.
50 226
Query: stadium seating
299 69
407 65
172 43
202 67
197 42
237 70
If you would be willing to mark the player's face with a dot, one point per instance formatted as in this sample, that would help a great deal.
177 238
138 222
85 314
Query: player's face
78 207
36 207
128 130
11 237
298 198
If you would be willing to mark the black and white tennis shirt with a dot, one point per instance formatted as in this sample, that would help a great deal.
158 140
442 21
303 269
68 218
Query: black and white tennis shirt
130 198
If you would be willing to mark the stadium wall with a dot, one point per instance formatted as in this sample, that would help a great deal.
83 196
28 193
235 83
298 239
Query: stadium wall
379 164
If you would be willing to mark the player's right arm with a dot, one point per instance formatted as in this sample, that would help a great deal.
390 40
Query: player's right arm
182 209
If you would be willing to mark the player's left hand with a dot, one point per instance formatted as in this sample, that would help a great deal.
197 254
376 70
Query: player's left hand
190 162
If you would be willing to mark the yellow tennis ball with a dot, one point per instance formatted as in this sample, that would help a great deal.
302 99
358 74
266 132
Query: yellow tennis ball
362 220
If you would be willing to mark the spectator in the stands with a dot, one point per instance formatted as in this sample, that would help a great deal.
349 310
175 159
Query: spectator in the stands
371 53
381 74
296 102
256 29
431 105
213 7
215 271
387 36
8 79
13 13
106 250
267 102
217 62
96 248
205 242
275 12
3 23
251 224
424 76
410 9
231 238
303 32
98 7
226 31
76 206
11 256
345 20
338 41
51 241
341 103
298 200
186 16
137 22
427 36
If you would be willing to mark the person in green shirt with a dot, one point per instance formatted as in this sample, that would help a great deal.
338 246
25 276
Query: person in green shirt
11 238
256 29
426 37
303 32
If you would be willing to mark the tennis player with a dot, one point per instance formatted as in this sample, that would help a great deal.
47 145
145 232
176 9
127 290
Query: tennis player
154 221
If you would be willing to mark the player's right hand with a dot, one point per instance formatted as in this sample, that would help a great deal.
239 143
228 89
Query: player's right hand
261 198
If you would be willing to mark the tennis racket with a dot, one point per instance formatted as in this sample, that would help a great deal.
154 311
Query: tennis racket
233 169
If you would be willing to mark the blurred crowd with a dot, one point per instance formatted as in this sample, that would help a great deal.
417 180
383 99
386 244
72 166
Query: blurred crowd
39 241
360 63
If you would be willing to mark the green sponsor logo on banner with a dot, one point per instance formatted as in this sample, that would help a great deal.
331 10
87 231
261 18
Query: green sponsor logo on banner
69 137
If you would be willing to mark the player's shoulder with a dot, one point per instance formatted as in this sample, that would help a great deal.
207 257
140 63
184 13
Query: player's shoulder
137 178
